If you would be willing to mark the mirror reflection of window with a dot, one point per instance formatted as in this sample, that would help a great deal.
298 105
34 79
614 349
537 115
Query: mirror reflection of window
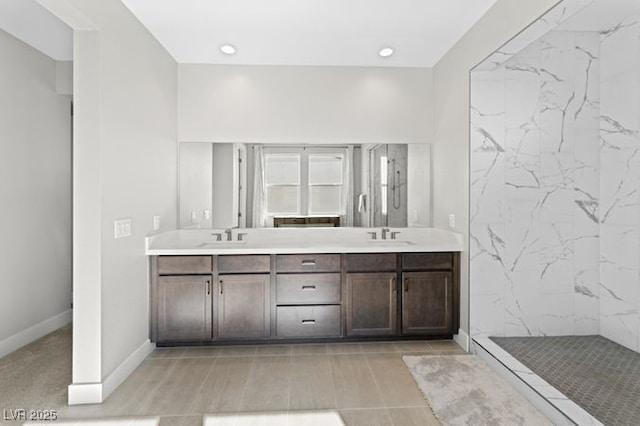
326 179
301 181
282 183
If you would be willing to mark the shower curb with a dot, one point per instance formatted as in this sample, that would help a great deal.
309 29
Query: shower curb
551 402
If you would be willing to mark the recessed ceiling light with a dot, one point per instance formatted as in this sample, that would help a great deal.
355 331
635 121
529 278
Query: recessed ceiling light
386 52
228 49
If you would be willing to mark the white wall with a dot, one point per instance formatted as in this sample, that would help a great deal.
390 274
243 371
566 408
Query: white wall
419 185
125 166
35 193
262 104
451 117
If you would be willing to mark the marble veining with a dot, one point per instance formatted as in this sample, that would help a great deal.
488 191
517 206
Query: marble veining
555 183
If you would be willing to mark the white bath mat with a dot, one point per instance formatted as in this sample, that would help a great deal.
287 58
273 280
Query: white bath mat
463 390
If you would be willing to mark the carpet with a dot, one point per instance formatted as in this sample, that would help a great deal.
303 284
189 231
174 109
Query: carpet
463 390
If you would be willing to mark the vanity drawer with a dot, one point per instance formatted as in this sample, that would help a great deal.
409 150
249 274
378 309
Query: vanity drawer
308 289
426 261
308 321
184 265
308 263
244 263
371 262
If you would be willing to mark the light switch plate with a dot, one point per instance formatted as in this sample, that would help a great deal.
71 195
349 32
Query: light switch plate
156 223
122 228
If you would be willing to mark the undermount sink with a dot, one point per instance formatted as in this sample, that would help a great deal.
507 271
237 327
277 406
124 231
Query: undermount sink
220 244
391 242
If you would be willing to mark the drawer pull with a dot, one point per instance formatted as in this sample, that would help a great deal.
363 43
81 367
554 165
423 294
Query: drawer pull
208 287
308 287
308 322
221 287
309 262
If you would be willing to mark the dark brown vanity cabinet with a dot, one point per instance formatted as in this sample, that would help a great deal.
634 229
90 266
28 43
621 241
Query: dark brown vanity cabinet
243 297
308 295
303 296
182 298
427 303
371 294
243 306
429 293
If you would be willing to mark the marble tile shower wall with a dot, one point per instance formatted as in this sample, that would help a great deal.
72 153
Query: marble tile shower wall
620 183
535 187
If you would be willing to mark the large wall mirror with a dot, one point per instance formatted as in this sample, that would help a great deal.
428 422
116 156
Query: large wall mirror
224 185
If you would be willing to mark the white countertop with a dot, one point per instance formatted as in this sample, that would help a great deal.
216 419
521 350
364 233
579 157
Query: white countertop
302 240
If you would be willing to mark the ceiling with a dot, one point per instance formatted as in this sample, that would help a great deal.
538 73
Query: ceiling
309 32
28 21
275 32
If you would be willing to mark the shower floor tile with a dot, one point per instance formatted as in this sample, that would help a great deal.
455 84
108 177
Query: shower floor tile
596 373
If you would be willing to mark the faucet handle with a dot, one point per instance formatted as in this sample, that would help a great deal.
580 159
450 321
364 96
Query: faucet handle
218 235
394 234
374 235
240 235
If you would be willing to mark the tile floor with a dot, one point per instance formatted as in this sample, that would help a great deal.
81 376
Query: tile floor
367 383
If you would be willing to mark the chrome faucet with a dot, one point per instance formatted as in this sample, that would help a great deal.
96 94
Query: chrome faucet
228 232
384 232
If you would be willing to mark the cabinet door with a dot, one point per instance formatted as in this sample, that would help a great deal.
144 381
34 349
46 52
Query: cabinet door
184 307
243 306
371 304
427 303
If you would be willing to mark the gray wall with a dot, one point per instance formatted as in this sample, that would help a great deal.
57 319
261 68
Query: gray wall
35 191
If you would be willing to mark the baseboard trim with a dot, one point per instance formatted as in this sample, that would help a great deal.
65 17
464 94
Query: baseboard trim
462 339
85 393
119 375
24 337
96 393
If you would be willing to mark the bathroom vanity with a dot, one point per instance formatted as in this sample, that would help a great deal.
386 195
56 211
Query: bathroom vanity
301 285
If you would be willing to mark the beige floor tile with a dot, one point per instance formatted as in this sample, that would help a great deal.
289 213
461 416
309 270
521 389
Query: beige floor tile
354 384
413 417
378 347
267 386
311 383
224 386
412 346
369 417
396 385
181 421
201 352
445 346
271 350
237 351
344 348
167 353
313 349
177 392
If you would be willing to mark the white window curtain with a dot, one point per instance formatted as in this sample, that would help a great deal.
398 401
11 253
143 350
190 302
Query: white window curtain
347 188
259 196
